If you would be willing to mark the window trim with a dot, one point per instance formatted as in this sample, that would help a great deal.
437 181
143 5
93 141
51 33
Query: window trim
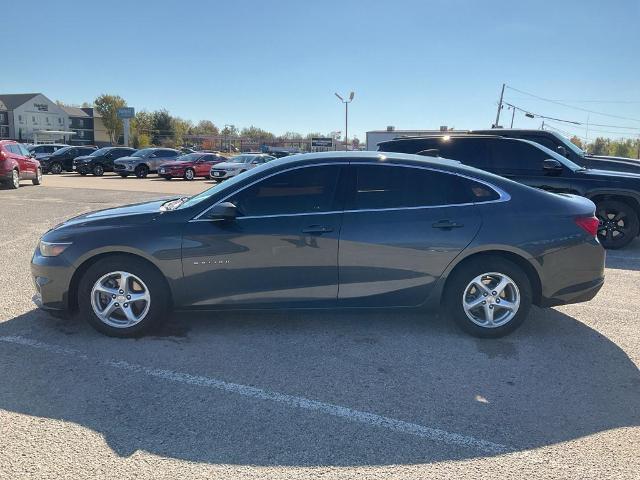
503 196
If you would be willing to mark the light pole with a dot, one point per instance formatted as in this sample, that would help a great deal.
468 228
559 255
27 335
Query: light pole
346 117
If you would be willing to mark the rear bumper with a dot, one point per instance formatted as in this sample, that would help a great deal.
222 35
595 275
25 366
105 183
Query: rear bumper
572 275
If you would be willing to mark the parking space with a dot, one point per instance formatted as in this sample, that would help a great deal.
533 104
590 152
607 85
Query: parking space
317 394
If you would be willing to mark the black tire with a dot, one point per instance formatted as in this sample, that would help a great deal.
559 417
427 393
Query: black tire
15 179
158 291
124 175
619 223
55 168
189 174
38 179
207 177
167 177
141 171
84 174
461 278
98 170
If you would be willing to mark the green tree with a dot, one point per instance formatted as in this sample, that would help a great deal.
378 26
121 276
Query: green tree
205 127
600 146
162 127
256 133
577 142
180 128
141 126
107 107
230 131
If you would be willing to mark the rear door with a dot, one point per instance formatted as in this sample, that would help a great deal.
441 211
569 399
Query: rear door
161 156
30 165
402 226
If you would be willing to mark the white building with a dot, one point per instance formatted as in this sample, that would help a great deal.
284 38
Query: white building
376 136
28 116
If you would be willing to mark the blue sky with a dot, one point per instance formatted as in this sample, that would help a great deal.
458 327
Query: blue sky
275 64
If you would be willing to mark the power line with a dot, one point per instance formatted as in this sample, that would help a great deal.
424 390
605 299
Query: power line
587 101
572 106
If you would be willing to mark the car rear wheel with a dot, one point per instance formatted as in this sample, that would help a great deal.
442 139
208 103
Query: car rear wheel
189 174
141 171
122 297
55 168
488 297
15 179
38 179
619 223
98 170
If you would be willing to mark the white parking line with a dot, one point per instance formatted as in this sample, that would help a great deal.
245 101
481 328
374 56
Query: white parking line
434 434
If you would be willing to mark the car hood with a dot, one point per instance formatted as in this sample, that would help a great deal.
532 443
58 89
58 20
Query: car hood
126 214
612 163
230 165
596 172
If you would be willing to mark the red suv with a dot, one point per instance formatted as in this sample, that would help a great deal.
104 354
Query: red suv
17 164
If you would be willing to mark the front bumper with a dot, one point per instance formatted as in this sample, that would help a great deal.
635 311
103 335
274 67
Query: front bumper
127 168
221 174
82 167
51 278
171 172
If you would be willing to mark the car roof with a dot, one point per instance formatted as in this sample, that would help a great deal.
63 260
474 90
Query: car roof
497 131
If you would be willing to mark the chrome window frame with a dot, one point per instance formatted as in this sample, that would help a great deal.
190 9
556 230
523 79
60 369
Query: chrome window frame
503 196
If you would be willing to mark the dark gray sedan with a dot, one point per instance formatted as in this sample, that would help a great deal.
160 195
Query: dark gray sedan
329 230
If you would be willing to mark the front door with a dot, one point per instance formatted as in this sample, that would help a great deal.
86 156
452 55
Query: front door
282 248
402 227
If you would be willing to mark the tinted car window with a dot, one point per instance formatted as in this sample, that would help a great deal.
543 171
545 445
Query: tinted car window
379 186
513 155
544 141
471 151
303 190
167 153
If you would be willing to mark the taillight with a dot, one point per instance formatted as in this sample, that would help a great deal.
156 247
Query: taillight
3 156
588 224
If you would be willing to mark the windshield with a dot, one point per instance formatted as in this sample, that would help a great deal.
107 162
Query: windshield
569 144
62 151
556 156
241 159
189 157
142 153
100 151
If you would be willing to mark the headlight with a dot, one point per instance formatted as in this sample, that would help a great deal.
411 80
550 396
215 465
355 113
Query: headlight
52 249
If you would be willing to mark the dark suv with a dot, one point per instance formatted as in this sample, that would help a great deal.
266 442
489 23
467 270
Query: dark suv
100 161
566 148
616 194
62 159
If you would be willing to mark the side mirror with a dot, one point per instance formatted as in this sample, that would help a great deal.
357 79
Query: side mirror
551 165
223 211
562 150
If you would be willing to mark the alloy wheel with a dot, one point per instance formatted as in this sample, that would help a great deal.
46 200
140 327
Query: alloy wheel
98 170
614 225
188 174
15 178
56 168
491 300
120 299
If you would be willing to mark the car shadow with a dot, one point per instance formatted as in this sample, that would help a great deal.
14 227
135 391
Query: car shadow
552 381
627 258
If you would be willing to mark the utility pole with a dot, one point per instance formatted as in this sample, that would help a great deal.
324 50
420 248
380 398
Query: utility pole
497 124
513 114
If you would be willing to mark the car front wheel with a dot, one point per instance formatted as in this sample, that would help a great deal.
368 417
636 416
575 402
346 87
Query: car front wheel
122 296
98 170
189 174
488 297
15 179
141 171
619 223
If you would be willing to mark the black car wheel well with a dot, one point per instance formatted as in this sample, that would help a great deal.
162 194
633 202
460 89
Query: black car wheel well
80 271
521 262
631 201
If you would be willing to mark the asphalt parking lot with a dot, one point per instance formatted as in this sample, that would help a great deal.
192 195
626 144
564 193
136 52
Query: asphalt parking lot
307 394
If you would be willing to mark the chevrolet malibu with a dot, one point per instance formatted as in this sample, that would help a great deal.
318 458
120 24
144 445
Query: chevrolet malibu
328 230
238 164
